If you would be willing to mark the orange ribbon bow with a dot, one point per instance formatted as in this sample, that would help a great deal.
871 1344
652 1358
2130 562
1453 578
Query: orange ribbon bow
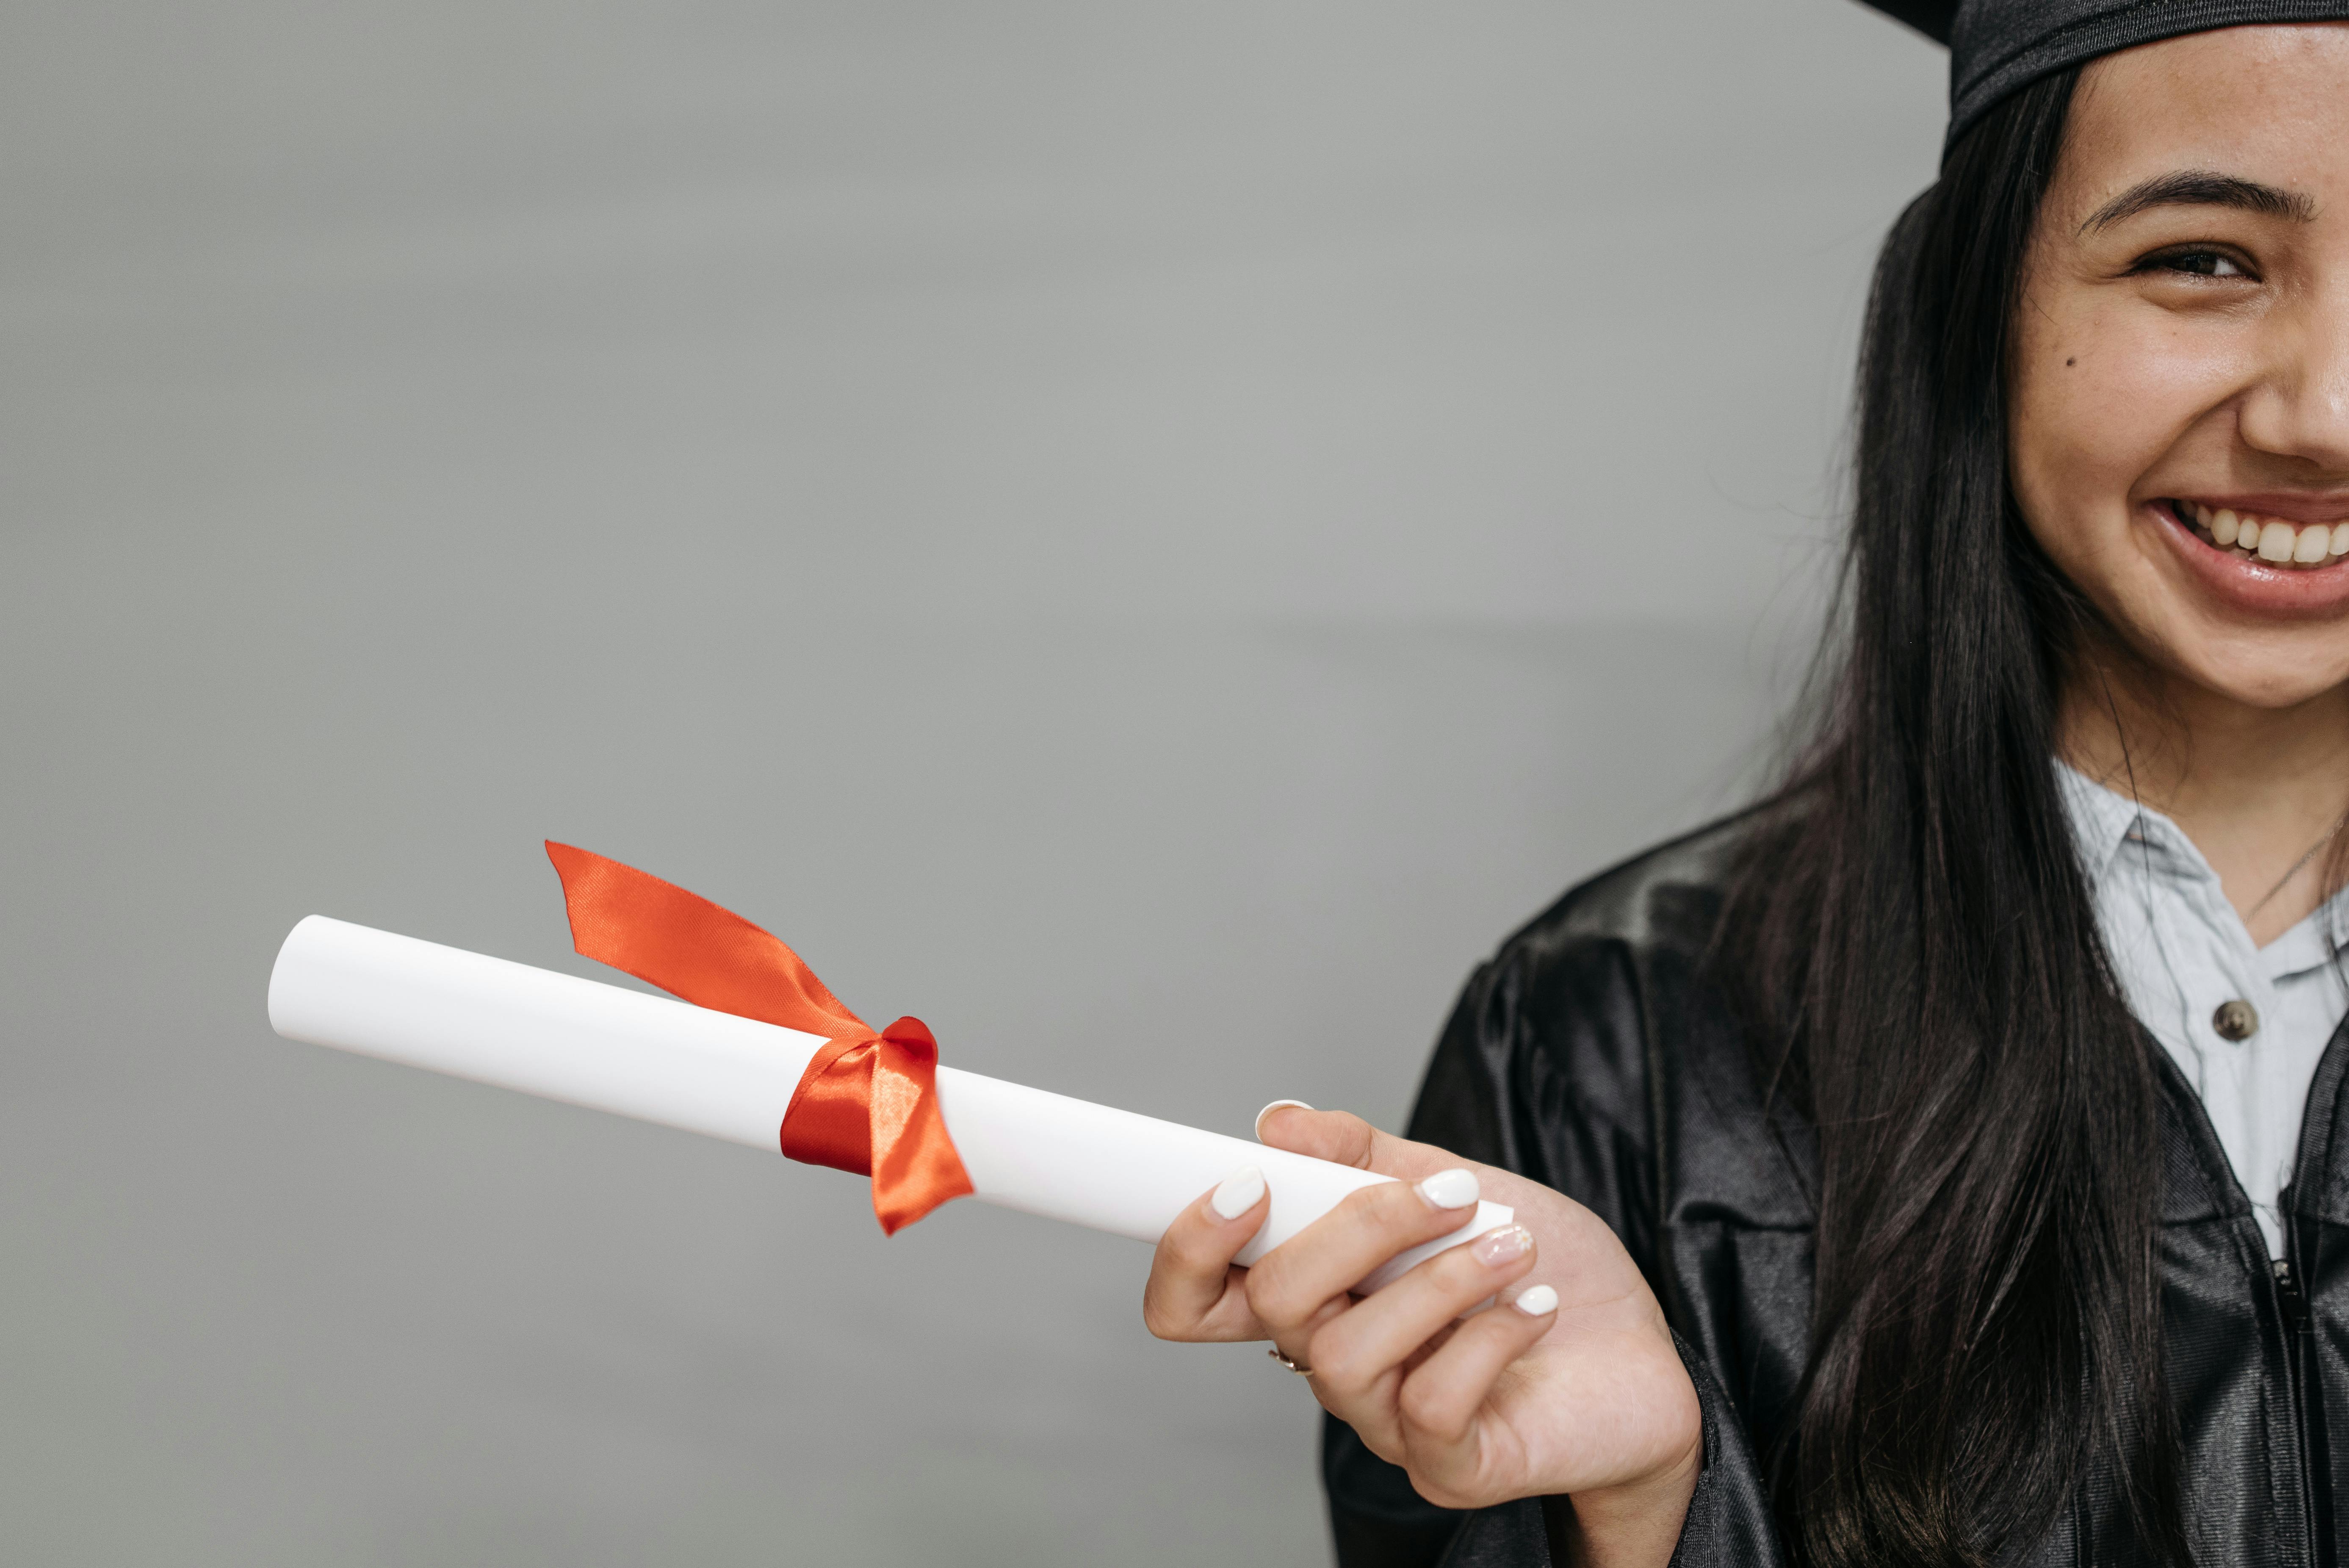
867 1104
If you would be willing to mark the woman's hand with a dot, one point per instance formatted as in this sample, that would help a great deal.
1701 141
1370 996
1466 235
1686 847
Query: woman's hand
1569 1386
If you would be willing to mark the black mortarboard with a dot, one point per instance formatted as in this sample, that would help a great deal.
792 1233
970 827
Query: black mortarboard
1999 46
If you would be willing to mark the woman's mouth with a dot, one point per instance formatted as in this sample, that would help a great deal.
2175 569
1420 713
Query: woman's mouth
2274 542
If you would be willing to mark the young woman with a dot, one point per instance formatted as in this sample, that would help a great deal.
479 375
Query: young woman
1947 1161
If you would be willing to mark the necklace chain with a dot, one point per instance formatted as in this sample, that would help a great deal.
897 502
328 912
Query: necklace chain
2299 866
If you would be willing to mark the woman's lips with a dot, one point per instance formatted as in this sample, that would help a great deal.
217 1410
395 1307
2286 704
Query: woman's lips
2247 584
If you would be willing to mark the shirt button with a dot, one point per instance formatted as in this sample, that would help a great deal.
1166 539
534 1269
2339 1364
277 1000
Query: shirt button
2235 1021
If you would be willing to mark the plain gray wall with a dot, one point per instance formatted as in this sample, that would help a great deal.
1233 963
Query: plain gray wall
1150 536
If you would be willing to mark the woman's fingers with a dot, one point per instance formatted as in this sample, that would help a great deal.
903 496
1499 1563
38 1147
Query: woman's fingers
1441 1397
1290 1286
1194 1292
1359 1357
1353 1353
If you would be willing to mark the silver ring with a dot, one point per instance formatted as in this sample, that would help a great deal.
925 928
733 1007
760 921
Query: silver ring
1300 1370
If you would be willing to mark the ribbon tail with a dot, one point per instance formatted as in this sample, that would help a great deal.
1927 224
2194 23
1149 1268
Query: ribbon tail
915 1165
690 947
866 1103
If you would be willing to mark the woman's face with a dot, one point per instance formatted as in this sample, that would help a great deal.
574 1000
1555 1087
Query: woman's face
2179 379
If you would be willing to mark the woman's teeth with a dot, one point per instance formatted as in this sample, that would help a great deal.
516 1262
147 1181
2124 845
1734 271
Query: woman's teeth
2273 539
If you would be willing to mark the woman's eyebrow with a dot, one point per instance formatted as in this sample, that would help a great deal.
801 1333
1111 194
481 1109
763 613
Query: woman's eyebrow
2203 188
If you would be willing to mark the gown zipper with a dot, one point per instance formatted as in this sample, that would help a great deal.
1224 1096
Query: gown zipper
2295 1311
2284 1281
2302 1356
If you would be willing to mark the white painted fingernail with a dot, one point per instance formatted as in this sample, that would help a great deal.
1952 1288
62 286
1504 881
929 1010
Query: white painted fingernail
1539 1302
1237 1192
1449 1188
1269 1109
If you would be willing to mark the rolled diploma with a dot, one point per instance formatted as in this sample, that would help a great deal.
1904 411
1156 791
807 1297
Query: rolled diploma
610 1049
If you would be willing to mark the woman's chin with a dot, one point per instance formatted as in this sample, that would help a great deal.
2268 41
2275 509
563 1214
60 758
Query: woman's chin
2279 666
2273 695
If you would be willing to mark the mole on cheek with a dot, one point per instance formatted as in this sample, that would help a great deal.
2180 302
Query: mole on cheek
2069 362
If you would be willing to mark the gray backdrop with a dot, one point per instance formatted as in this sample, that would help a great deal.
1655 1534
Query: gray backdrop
1150 536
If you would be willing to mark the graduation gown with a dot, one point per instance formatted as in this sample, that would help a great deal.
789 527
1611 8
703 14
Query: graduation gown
1591 1053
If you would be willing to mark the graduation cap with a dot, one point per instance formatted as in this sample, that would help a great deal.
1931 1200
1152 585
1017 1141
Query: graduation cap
1931 17
1999 46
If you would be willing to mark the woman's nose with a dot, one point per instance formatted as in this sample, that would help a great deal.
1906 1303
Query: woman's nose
2301 407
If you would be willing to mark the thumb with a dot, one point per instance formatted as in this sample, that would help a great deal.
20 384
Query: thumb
1344 1139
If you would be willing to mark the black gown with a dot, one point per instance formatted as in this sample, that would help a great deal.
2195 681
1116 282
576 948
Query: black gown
1592 1054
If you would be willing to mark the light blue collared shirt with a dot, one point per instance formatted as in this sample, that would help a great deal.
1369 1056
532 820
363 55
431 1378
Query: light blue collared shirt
2180 951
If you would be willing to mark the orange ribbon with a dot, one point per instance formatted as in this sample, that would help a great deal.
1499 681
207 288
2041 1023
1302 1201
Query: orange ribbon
868 1102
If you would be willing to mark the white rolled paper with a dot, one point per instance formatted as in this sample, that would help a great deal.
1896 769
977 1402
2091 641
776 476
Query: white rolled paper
610 1049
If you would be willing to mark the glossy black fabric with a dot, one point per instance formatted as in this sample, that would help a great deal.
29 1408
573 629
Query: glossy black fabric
1593 1055
1999 46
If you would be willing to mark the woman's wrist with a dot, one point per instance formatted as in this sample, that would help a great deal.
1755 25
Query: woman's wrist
1635 1525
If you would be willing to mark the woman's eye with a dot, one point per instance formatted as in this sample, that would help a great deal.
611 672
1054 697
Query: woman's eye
2200 263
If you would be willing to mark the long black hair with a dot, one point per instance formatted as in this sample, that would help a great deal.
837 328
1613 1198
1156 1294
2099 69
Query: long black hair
1915 938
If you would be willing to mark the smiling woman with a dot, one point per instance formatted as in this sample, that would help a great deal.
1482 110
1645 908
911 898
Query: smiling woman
1943 1162
2175 387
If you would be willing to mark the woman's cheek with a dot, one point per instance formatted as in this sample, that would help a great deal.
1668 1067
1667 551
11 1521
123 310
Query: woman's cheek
2164 378
2102 397
2113 401
2075 452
